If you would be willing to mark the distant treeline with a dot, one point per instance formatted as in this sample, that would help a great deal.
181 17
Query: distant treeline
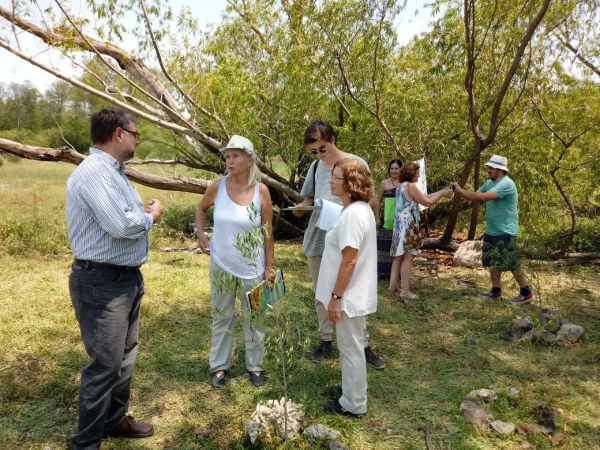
59 117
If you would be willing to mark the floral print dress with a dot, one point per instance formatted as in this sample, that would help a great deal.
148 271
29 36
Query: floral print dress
405 209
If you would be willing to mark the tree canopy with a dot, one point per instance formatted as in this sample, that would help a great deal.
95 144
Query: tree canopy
517 78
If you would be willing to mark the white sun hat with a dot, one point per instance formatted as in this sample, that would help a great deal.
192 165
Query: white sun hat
498 162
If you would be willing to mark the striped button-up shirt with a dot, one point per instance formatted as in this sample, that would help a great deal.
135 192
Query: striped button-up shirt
106 220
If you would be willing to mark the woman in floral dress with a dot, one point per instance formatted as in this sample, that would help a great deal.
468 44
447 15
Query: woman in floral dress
408 198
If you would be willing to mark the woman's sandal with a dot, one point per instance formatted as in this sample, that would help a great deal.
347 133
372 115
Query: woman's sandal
411 296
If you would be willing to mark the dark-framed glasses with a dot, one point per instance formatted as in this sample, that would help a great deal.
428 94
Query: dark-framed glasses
321 150
136 135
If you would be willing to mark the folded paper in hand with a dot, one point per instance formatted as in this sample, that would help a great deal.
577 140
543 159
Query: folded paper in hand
261 296
329 214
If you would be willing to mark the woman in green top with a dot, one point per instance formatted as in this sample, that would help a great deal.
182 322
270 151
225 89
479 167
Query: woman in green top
387 197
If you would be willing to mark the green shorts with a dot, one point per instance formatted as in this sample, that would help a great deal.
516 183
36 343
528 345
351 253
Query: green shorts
500 252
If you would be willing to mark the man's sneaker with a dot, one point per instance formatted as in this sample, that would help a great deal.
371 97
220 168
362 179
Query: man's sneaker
522 299
373 359
323 351
489 295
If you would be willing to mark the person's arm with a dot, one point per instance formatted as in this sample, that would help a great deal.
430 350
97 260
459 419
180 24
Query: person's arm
106 203
308 190
155 208
426 200
375 204
474 196
266 214
308 201
345 271
208 199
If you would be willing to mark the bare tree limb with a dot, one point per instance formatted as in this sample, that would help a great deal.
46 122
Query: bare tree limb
366 108
578 54
170 78
170 104
66 154
203 138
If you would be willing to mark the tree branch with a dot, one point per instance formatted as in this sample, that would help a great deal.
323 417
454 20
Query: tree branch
66 154
578 54
525 40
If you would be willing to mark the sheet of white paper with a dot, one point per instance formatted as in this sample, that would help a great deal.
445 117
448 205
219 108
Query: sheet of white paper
301 208
329 213
422 183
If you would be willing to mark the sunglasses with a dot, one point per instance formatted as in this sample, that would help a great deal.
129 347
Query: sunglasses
136 135
321 150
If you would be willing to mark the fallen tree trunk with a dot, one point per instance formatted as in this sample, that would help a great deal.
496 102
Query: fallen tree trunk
66 154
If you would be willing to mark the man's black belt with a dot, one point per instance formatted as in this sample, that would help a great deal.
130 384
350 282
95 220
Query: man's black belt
103 266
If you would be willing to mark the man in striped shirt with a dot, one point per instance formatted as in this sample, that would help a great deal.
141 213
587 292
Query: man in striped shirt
108 229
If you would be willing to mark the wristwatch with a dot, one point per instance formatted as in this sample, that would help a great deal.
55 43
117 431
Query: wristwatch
335 296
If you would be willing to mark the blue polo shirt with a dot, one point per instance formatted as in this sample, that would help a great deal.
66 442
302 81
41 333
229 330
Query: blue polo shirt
502 214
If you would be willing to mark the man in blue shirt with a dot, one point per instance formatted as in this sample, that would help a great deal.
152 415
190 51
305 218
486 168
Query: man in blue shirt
108 229
500 238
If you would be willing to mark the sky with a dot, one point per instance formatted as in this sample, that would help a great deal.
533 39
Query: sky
414 19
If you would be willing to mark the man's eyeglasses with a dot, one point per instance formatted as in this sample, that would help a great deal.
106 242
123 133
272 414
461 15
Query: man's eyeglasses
136 135
321 150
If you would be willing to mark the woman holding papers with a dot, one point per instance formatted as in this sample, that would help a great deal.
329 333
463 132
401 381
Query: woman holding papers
242 206
408 197
348 279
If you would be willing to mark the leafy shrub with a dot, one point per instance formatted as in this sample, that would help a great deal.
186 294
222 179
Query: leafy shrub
586 240
181 218
32 233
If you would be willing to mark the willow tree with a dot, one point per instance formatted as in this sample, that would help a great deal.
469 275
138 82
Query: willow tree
255 74
503 53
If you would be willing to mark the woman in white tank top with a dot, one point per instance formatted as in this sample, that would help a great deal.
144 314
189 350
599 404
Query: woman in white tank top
242 206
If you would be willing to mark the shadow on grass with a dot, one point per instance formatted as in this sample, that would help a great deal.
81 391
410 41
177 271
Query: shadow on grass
432 360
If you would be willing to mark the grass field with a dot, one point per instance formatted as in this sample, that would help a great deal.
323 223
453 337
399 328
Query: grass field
433 359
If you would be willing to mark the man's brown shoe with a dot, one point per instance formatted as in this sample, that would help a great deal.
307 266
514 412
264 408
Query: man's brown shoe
129 428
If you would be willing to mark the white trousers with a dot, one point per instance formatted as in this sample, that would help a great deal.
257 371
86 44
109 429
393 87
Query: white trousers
325 325
223 322
350 341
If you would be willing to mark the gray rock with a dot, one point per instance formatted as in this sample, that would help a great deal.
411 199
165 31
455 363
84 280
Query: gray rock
513 391
468 254
530 429
518 329
335 445
487 395
549 417
502 427
538 336
321 432
269 420
569 334
204 432
476 414
554 327
547 315
558 439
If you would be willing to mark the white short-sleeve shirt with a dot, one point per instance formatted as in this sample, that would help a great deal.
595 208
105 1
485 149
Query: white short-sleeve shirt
355 227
